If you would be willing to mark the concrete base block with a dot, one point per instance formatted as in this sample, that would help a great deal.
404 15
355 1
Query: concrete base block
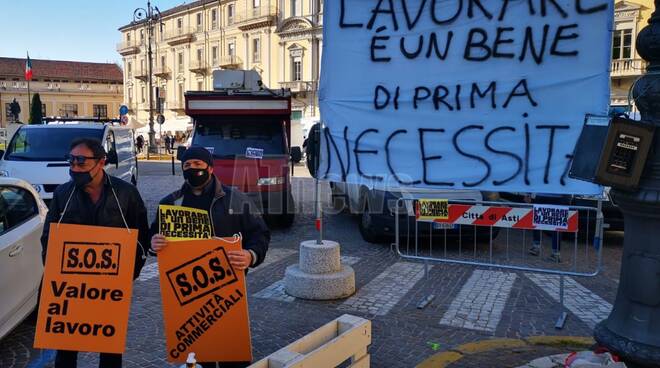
325 286
319 258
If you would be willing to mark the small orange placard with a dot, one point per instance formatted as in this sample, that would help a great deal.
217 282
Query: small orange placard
204 302
86 290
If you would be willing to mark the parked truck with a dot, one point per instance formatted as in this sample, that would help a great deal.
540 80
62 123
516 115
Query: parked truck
247 129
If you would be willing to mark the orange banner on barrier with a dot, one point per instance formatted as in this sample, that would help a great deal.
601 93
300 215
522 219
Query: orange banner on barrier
86 291
204 302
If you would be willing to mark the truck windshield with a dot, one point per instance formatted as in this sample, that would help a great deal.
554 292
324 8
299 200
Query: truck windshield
240 137
46 144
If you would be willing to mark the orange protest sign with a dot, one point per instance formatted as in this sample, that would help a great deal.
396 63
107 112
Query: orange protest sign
86 290
204 302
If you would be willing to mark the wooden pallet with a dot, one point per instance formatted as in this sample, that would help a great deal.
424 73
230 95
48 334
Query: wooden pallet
347 338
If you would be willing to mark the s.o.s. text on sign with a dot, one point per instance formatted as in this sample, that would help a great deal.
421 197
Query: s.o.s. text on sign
204 302
478 94
86 291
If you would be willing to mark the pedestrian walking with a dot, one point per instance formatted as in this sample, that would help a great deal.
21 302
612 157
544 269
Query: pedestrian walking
139 143
92 197
168 141
229 209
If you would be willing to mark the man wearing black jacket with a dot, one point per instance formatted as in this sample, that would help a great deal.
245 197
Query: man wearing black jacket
95 198
229 210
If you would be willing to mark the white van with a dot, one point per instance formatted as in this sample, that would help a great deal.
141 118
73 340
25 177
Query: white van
36 153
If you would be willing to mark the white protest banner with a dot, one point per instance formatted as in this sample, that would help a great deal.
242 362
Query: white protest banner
455 94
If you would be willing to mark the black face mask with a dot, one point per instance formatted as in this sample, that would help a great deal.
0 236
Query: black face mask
81 179
196 177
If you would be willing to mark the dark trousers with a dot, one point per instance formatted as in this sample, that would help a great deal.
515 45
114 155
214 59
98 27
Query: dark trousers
69 359
556 239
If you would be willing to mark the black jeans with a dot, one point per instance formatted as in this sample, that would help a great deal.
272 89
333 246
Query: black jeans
69 359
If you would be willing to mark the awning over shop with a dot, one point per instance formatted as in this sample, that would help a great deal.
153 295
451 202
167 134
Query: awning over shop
173 126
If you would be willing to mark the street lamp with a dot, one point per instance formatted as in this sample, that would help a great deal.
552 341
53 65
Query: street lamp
150 16
632 330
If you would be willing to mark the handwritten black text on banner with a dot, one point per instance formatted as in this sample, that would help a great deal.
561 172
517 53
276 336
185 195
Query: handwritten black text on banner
476 94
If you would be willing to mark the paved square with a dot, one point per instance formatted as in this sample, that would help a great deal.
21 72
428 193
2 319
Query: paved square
480 303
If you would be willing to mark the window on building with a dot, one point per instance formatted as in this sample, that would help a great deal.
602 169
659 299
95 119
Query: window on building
231 49
256 50
180 62
214 55
163 60
70 110
199 22
296 69
43 110
256 3
200 85
214 19
230 14
179 25
128 37
622 44
296 10
143 94
180 93
100 110
129 69
130 96
200 54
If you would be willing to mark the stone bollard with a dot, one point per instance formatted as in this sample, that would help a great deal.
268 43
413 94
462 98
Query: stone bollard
320 274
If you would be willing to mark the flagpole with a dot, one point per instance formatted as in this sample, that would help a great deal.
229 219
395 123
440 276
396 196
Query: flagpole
27 63
29 102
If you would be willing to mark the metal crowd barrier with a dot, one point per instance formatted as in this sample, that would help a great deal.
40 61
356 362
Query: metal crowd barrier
499 235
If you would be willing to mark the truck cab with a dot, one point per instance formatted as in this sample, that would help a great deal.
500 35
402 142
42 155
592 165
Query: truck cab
247 129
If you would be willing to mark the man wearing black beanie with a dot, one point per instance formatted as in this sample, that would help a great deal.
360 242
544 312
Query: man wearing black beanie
229 210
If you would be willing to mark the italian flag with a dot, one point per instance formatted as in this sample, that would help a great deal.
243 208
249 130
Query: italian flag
28 69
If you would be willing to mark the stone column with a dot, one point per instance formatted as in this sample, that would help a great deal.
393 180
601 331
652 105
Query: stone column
320 274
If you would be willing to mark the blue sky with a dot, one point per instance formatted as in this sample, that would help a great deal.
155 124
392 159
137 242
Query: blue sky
72 30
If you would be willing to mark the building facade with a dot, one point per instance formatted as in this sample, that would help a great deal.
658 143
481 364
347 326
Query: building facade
281 39
66 88
630 16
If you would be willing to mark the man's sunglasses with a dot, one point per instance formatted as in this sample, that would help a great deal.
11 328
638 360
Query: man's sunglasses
79 160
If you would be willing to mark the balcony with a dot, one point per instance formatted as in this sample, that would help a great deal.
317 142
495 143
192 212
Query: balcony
262 16
129 47
627 67
231 62
198 66
299 86
142 73
179 36
162 71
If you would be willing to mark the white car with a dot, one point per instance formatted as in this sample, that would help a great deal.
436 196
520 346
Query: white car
36 153
22 216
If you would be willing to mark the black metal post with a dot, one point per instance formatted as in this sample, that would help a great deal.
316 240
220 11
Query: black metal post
149 16
633 328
